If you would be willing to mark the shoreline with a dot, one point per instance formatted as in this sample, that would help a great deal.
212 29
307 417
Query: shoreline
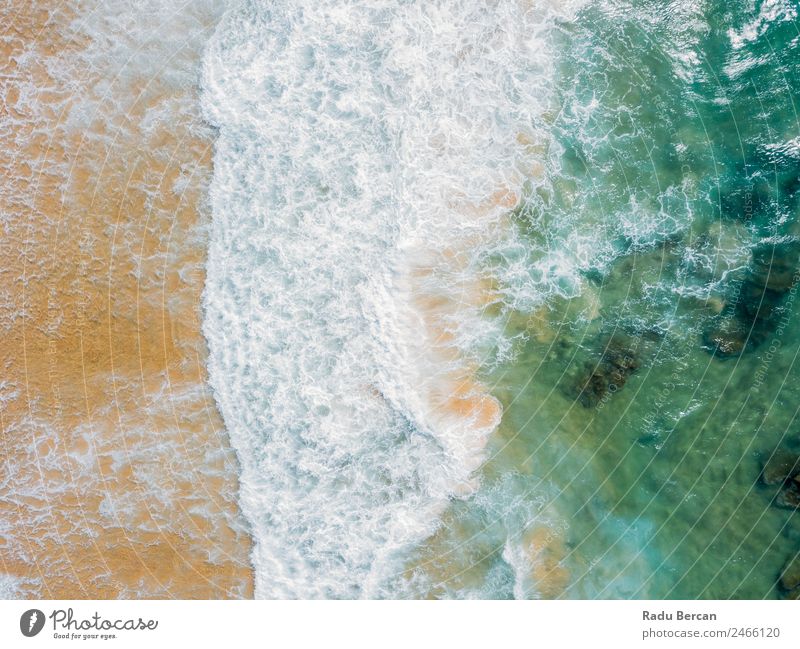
123 481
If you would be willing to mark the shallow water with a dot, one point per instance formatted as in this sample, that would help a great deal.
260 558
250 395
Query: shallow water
675 154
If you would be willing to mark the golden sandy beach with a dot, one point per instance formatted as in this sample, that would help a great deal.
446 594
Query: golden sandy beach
117 479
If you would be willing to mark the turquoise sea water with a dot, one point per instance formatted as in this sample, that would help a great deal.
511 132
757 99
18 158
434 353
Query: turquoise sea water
677 148
640 332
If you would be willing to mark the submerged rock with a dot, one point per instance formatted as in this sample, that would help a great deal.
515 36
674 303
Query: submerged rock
790 577
789 497
741 202
726 336
781 467
756 305
599 379
775 266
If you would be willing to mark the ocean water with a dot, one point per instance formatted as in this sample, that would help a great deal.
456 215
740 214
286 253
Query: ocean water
499 295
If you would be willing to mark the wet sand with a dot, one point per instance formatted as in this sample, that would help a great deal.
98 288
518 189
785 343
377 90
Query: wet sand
116 478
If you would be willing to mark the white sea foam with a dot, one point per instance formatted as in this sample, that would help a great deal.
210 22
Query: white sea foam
367 159
770 12
10 586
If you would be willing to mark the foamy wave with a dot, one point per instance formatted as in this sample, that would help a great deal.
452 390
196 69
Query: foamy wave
368 157
10 587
